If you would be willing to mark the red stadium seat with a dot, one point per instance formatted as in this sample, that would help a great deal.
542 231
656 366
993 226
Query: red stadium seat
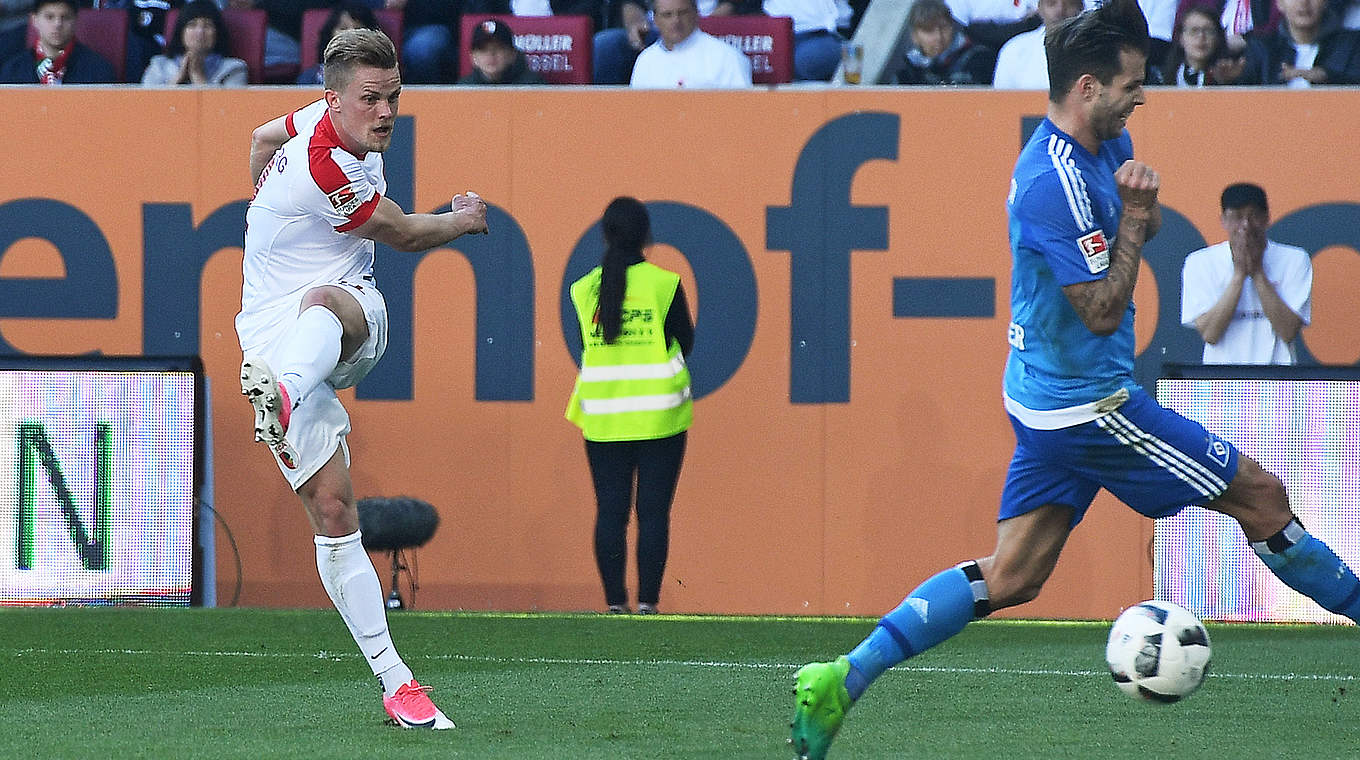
245 35
104 30
766 40
314 18
558 47
246 29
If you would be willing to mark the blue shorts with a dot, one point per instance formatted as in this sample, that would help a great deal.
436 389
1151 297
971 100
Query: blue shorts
1151 458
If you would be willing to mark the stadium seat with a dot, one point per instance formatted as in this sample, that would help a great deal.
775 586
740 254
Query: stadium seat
314 18
104 30
766 40
245 33
558 47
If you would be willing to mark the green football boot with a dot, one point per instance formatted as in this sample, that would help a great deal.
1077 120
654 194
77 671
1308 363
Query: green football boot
820 704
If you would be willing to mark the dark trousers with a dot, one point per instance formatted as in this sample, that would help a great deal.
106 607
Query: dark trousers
614 467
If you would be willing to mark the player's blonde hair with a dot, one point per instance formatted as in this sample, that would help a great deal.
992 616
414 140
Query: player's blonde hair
352 48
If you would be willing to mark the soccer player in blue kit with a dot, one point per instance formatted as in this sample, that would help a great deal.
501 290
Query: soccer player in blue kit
1080 208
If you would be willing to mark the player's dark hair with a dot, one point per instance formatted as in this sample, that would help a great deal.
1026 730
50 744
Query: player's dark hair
1243 194
1090 43
196 9
352 48
627 230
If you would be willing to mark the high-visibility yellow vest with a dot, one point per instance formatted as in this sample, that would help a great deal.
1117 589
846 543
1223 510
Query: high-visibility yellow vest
636 388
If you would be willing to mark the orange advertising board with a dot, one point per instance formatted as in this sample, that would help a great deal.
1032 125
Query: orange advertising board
846 258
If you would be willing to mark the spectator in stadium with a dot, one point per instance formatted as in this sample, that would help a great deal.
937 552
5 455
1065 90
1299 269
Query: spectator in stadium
1199 55
312 319
1248 296
686 56
1308 49
57 57
495 59
1021 64
1238 18
940 53
595 10
1080 210
347 14
632 399
629 30
816 36
196 52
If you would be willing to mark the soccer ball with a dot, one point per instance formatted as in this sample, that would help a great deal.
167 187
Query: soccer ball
1158 651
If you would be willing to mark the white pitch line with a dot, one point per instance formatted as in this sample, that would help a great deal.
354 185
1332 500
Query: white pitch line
338 656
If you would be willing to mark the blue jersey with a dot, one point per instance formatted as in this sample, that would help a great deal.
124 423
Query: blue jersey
1064 210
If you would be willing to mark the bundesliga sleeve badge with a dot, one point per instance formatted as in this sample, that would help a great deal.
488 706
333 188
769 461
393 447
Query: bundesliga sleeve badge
1095 250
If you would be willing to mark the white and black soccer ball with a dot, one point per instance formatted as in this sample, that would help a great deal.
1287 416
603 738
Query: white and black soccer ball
1158 651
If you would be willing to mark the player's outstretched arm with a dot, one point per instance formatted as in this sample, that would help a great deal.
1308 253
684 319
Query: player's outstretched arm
391 226
266 139
1101 303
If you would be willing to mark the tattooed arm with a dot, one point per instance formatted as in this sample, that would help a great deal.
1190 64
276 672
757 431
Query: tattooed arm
1101 303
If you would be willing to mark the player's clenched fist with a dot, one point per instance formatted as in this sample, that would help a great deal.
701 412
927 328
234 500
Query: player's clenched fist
1138 184
473 209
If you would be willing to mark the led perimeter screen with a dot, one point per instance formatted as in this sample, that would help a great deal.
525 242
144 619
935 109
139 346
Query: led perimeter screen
99 475
1303 425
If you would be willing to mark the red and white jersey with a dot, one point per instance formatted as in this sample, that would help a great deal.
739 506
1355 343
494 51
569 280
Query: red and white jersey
312 193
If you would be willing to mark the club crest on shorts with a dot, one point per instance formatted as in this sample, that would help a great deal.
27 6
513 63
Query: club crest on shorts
285 455
1218 451
1095 250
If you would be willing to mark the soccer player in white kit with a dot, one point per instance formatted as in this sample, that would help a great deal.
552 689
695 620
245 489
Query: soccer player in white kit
312 319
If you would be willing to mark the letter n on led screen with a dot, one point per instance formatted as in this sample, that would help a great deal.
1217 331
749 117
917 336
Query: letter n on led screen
98 480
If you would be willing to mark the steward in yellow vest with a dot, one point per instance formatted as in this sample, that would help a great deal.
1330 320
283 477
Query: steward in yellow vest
637 387
632 400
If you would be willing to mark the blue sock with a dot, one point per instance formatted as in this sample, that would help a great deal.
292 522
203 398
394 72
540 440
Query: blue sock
935 611
1311 568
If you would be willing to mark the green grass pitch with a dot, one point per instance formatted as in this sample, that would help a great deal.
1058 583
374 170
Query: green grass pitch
249 683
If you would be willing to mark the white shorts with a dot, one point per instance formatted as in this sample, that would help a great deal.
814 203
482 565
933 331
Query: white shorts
319 422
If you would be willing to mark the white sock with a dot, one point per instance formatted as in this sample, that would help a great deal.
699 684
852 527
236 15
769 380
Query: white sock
311 352
352 583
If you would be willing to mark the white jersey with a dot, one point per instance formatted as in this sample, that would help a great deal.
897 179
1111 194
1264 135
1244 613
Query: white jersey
310 195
